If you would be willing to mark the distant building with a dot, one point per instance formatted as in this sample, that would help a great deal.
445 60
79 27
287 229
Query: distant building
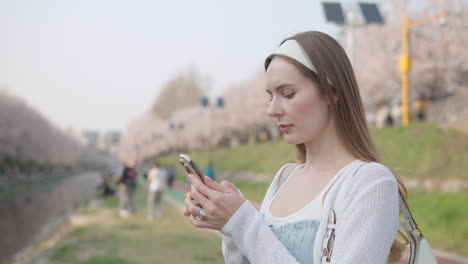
108 141
78 136
92 138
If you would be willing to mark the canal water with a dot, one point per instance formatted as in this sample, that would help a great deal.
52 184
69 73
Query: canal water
26 217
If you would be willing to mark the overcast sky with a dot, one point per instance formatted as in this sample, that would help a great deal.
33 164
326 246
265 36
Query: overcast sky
95 64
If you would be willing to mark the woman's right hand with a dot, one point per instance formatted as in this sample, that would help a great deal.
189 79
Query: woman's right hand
225 184
217 203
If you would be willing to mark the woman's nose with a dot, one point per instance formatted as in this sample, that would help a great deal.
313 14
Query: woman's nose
275 109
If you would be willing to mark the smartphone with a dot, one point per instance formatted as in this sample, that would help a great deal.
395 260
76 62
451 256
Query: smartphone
190 166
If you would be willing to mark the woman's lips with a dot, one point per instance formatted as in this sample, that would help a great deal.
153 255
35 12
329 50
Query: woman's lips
285 128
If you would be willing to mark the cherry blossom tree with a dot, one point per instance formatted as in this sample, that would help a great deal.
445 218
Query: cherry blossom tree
439 59
28 136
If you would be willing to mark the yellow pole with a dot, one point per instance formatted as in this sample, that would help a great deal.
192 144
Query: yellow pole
405 62
405 66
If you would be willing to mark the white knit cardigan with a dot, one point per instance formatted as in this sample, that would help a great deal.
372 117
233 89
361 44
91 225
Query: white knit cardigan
367 221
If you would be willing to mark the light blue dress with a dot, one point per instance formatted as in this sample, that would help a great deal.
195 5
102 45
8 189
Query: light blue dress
297 237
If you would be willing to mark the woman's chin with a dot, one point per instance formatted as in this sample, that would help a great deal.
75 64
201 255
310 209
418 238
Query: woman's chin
292 140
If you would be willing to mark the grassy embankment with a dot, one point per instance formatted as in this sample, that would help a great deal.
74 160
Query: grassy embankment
421 151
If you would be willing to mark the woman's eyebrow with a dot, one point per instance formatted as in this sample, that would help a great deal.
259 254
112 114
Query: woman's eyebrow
281 87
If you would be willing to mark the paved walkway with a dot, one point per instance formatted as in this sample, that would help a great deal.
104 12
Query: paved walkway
177 194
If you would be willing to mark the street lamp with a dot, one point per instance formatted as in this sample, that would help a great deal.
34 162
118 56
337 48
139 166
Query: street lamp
205 103
405 59
351 18
176 129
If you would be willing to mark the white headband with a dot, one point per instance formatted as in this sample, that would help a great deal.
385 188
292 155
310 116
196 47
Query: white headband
290 48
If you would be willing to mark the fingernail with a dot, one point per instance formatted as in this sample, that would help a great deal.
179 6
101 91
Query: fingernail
208 179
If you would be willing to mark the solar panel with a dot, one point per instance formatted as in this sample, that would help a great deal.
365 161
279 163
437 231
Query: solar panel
334 12
371 13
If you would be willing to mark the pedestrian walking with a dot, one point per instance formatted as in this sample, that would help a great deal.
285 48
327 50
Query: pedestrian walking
171 174
157 178
127 186
420 107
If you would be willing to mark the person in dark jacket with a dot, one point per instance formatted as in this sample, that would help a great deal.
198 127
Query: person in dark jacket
127 184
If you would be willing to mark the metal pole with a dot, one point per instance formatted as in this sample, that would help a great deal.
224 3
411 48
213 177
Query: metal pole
405 61
210 140
405 66
350 34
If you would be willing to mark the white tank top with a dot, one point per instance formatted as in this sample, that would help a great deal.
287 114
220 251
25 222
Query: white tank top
311 211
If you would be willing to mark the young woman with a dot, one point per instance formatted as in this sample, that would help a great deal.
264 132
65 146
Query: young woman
316 102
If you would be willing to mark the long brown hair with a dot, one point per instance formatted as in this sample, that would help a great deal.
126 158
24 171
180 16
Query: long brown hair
337 84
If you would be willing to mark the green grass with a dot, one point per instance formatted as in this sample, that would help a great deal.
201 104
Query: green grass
422 150
110 239
105 260
443 219
66 252
252 191
264 157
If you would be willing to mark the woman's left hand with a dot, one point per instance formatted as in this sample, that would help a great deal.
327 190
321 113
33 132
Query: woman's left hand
219 201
